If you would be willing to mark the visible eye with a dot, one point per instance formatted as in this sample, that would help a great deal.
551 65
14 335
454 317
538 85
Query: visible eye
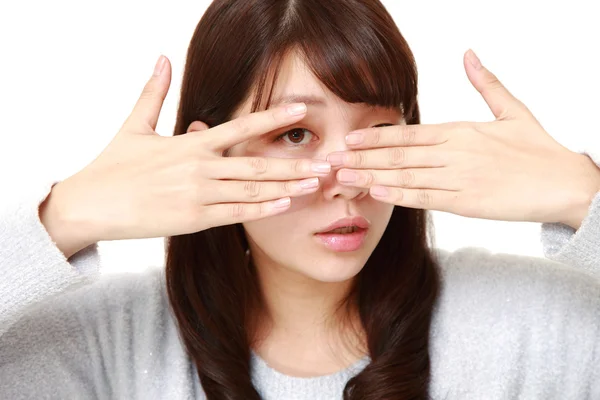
296 137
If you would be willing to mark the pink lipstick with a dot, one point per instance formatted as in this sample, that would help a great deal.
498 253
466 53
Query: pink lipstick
343 235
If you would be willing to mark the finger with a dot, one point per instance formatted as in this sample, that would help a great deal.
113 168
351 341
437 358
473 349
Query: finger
397 135
266 168
426 199
390 158
233 213
257 191
418 178
254 124
502 103
148 106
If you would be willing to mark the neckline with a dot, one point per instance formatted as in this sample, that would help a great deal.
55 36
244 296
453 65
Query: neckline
263 369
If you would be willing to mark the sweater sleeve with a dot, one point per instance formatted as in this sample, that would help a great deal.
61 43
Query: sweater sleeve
579 248
32 268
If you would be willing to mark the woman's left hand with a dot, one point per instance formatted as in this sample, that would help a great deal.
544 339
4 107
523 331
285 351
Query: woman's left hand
510 169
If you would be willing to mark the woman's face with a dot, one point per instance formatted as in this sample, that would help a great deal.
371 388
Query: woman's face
290 240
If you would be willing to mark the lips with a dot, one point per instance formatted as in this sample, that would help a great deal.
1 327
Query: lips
354 231
357 221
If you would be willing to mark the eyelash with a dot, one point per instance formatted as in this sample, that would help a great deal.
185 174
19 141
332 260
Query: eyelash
280 137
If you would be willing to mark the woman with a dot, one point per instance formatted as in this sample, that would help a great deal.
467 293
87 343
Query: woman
298 264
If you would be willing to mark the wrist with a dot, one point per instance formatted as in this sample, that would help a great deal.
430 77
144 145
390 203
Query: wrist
69 230
590 178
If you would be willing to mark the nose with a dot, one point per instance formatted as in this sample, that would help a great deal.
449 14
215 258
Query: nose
333 189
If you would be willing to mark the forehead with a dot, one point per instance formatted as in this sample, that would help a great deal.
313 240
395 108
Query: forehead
296 83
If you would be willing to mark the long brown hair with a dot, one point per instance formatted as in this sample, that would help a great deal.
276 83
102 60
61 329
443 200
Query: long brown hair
354 48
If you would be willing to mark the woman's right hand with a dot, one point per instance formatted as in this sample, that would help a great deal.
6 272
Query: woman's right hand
144 185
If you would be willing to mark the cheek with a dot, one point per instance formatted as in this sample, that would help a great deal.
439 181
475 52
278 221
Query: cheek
253 151
278 234
377 212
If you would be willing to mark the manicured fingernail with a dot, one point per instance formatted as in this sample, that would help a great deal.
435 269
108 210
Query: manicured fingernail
160 65
346 176
473 59
379 191
336 159
354 138
310 183
321 167
282 203
296 109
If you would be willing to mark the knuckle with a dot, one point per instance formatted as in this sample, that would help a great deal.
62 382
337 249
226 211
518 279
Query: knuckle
148 92
424 197
397 196
376 136
199 217
299 166
478 127
237 210
396 155
453 127
275 116
252 189
262 210
359 159
259 165
493 83
368 179
408 134
406 179
195 196
195 171
287 187
241 126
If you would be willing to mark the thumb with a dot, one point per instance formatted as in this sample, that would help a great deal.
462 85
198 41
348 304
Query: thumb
502 103
147 109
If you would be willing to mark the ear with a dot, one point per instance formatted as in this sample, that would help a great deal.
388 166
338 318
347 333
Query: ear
197 126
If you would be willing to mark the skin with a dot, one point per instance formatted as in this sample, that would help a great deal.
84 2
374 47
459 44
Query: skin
470 169
169 186
475 169
301 278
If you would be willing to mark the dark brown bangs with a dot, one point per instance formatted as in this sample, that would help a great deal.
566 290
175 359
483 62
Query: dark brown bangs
356 55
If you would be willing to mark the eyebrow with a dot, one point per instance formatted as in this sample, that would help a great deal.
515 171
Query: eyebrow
299 98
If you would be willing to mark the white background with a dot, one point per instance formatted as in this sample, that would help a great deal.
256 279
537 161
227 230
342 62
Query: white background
71 71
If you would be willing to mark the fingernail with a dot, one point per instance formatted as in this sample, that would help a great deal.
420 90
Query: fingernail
354 138
336 159
321 167
346 176
296 109
473 59
282 203
379 191
309 183
160 65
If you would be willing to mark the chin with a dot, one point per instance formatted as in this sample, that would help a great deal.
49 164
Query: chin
334 267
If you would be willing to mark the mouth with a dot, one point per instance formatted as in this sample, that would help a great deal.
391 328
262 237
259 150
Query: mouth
344 235
345 229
